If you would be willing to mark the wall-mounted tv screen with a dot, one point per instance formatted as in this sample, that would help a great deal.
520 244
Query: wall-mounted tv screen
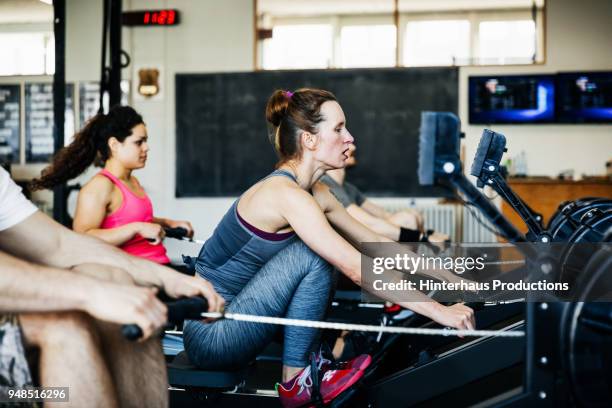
512 99
584 97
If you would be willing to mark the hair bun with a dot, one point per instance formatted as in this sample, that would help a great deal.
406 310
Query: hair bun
276 109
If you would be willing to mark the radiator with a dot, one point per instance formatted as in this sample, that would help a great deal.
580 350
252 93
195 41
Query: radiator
473 229
455 220
442 218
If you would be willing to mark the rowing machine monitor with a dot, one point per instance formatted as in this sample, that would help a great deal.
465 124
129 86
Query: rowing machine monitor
487 170
439 143
490 150
439 162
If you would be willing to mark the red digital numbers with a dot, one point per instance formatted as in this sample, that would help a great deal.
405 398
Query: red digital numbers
167 17
162 17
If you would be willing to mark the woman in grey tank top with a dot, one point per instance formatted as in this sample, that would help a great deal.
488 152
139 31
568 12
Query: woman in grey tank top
272 253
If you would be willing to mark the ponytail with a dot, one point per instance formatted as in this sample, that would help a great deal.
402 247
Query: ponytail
90 145
275 112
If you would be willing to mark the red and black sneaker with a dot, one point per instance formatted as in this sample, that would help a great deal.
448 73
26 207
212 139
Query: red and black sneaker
361 362
297 392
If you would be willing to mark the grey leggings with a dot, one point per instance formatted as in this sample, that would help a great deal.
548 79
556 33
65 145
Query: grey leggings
295 283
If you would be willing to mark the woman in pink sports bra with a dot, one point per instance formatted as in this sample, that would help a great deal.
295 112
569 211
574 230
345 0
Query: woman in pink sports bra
112 205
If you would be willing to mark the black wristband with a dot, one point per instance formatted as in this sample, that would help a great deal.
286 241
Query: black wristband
409 235
426 234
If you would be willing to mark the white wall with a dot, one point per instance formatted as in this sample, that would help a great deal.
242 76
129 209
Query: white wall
83 40
213 36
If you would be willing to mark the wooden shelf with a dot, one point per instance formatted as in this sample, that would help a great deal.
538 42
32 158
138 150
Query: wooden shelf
544 195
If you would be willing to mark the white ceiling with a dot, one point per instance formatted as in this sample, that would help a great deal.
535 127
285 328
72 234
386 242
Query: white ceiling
25 11
324 7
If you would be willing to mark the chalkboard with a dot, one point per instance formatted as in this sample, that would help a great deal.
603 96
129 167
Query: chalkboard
9 123
89 99
222 137
39 120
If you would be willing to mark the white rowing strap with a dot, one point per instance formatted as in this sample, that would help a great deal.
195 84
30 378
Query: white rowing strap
283 321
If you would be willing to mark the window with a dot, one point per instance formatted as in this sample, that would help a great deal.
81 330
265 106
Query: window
299 46
27 54
50 55
441 42
507 41
385 33
368 46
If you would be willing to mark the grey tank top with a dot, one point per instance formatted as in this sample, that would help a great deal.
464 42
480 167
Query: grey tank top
237 250
346 193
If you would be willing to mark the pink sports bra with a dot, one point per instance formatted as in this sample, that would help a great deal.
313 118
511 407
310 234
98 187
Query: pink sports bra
134 209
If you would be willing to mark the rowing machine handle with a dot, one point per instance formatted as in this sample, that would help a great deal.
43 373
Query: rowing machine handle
177 233
178 310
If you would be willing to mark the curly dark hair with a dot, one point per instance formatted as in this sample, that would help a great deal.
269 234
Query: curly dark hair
90 145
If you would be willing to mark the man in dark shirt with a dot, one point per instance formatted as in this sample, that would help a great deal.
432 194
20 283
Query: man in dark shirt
401 226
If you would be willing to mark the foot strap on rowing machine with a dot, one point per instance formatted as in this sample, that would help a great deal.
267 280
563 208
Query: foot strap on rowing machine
315 376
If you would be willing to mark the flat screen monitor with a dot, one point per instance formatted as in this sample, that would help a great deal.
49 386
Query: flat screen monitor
512 99
584 97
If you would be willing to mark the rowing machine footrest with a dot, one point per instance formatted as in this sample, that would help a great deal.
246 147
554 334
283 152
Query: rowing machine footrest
316 399
182 373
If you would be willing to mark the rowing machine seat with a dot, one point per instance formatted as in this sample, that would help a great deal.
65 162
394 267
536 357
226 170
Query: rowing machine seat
182 373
